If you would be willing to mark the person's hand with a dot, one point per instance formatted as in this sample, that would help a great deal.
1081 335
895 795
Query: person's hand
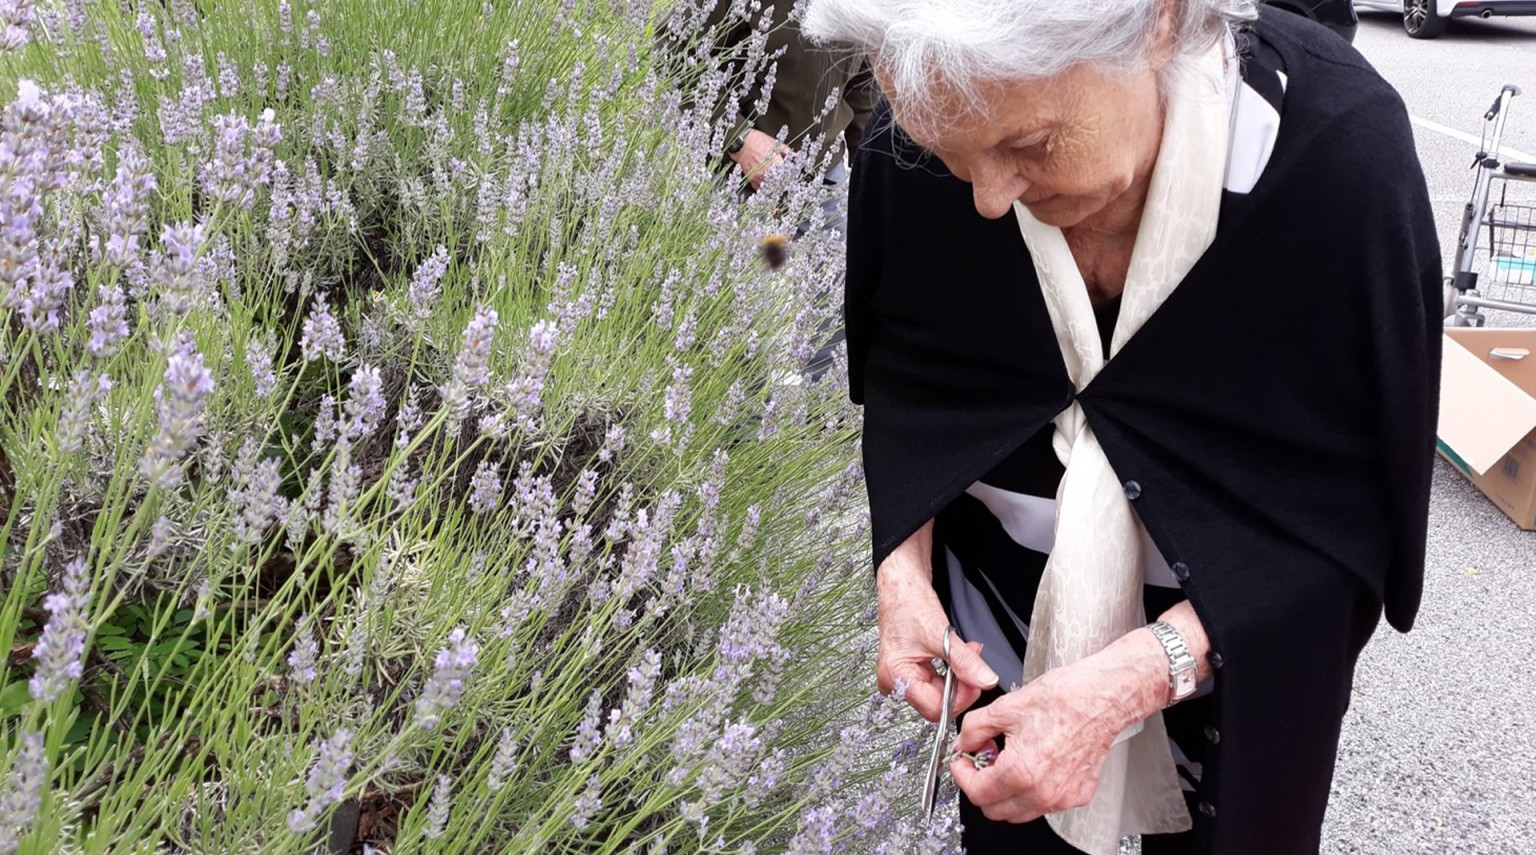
912 624
1058 731
759 153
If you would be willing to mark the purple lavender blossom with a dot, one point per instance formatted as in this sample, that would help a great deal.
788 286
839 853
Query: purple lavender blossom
305 653
471 369
588 804
259 500
424 288
437 809
159 537
589 733
84 392
613 443
322 334
485 488
586 492
62 646
817 834
402 488
179 402
365 403
355 650
446 685
325 424
23 793
39 300
504 763
108 322
259 353
182 286
15 21
766 777
678 400
125 206
642 688
346 484
326 782
234 173
25 132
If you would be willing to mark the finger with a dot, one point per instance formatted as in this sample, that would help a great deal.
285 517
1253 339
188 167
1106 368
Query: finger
925 692
1021 808
965 697
969 666
979 728
986 788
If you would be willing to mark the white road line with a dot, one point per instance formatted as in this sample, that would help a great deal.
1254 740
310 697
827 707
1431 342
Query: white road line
1509 153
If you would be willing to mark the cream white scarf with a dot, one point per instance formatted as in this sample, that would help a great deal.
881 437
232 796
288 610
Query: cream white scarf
1091 593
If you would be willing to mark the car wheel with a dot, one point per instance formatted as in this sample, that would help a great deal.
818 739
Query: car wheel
1420 20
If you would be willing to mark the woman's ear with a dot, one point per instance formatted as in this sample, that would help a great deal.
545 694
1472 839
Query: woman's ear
1163 47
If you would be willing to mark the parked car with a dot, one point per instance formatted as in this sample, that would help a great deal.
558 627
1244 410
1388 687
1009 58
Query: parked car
1425 19
1336 15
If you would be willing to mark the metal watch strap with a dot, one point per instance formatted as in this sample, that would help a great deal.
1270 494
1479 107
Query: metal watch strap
1182 671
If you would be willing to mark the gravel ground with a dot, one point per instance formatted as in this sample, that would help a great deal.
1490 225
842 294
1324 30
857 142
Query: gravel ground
1438 753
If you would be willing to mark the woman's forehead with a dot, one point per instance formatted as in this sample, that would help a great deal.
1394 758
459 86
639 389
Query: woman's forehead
982 114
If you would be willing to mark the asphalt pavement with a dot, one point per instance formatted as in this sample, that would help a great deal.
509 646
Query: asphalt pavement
1439 747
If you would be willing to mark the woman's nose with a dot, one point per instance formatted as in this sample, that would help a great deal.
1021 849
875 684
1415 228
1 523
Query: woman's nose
996 189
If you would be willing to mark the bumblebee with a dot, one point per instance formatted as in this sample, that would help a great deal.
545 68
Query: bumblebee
775 250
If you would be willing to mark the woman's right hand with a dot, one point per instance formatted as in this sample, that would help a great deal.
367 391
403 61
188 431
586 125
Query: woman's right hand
912 624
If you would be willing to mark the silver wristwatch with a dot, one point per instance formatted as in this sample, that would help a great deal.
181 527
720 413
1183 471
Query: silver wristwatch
1182 676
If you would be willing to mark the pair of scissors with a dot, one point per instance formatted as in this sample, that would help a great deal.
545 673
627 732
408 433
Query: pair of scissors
941 737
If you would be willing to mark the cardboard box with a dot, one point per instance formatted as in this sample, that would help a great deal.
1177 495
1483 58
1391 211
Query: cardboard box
1488 415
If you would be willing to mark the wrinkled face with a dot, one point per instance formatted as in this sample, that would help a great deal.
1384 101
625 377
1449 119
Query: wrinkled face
1066 146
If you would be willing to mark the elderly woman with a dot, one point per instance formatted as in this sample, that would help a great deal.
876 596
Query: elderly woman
1143 308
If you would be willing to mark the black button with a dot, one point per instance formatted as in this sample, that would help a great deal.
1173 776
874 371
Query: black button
1180 571
1132 490
1215 659
1212 734
1207 808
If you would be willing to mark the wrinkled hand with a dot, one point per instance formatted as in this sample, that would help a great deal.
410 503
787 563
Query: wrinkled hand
759 153
1059 730
912 624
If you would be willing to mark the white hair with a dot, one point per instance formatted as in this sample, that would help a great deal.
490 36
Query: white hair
962 44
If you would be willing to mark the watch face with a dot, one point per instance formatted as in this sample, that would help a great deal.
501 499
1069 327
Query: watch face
1184 682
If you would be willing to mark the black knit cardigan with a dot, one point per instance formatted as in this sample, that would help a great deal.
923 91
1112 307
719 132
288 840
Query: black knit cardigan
1277 411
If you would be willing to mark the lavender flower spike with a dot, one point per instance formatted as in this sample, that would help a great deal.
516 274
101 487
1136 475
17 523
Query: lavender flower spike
15 21
471 370
326 782
60 650
23 793
424 289
365 403
108 322
437 809
446 684
305 653
322 334
179 403
125 207
504 763
84 392
485 488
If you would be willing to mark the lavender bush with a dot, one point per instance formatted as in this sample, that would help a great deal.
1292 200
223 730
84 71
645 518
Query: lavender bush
400 448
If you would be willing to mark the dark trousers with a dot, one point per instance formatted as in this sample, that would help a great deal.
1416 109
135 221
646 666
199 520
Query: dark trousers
982 836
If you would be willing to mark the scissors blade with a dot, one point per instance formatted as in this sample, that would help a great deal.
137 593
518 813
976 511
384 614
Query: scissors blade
940 739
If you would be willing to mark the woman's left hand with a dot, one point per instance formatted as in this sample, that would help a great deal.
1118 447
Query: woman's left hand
1059 729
